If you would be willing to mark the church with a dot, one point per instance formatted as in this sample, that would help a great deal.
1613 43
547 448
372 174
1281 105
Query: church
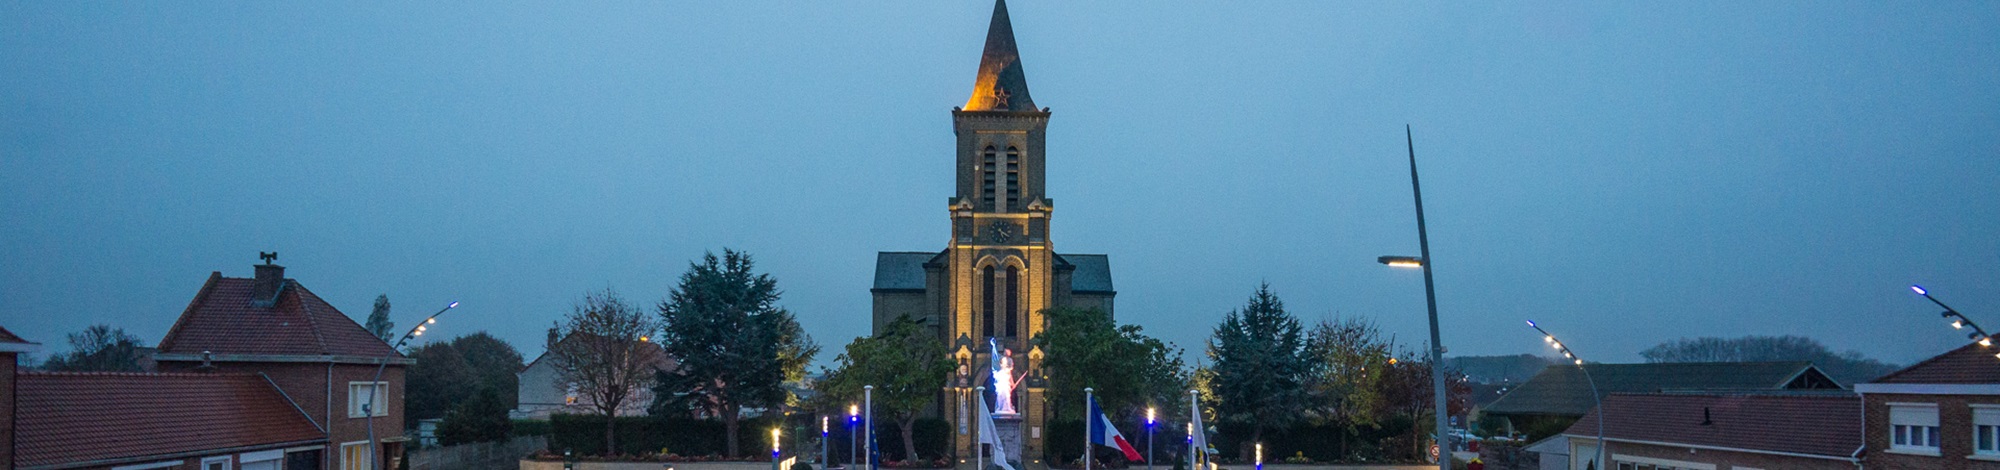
1000 270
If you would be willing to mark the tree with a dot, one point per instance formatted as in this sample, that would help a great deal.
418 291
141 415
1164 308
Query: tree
1405 388
449 372
1346 359
378 320
1259 367
435 382
1129 369
905 365
734 346
98 348
605 354
1846 367
482 417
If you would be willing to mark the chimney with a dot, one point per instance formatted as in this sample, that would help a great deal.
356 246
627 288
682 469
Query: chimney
270 278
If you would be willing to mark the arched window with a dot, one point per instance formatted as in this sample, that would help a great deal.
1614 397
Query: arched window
1013 179
989 169
986 314
1013 301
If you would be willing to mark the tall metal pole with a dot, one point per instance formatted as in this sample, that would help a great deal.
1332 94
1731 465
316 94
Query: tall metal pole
1571 354
1430 300
1193 410
869 425
825 456
853 436
979 444
1087 418
1149 438
382 363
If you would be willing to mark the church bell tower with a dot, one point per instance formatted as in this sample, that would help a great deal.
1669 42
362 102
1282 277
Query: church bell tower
1001 260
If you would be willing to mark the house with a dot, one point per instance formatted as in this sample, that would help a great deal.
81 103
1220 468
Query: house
11 348
1720 431
1942 413
541 391
136 421
1546 404
318 357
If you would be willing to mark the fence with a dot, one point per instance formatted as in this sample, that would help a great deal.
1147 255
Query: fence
483 455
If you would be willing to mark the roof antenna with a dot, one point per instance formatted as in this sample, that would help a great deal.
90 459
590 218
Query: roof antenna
1704 417
268 256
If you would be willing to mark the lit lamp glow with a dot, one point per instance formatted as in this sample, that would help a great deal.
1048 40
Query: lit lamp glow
774 442
1401 261
1554 343
1260 456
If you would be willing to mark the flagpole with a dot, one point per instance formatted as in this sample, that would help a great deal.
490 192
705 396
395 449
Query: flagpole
979 444
1194 415
1087 401
868 423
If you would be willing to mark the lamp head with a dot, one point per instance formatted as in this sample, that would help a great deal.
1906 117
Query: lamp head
454 304
1531 324
1919 289
1401 261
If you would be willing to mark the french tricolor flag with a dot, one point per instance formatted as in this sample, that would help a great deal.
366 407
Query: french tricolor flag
1101 433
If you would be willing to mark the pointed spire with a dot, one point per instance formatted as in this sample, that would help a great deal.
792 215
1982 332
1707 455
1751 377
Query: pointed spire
1001 85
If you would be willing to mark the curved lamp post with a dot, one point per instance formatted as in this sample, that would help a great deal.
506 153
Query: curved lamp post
382 363
1558 344
1959 321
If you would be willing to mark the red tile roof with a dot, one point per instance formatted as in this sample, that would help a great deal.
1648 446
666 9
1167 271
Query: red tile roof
1970 364
71 417
1815 424
222 319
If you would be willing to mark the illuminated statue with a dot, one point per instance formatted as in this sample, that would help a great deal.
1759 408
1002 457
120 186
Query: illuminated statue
1003 378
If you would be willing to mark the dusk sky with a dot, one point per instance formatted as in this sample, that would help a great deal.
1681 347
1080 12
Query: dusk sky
1624 173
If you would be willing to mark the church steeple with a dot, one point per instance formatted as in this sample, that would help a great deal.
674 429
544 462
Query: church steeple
1001 86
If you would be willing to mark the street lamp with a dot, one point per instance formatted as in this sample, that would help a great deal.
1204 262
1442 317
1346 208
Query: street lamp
1401 261
1430 300
382 363
1959 321
1149 438
1558 344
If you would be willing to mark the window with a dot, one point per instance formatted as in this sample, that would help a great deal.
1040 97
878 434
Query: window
1013 301
356 456
1913 427
359 395
215 463
986 315
1985 430
1013 178
989 167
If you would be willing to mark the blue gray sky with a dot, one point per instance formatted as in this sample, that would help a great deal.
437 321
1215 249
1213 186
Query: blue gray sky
1625 173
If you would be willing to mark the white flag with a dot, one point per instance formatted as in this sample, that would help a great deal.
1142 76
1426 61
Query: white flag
987 435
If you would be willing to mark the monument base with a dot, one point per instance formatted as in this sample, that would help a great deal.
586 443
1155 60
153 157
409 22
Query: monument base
1006 427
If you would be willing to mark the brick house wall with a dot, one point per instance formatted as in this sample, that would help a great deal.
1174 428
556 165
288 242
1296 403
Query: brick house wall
1721 459
7 369
321 389
1954 433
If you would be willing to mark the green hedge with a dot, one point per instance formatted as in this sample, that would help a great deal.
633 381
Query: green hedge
531 427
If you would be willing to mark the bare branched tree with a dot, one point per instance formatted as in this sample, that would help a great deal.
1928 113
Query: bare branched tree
606 354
